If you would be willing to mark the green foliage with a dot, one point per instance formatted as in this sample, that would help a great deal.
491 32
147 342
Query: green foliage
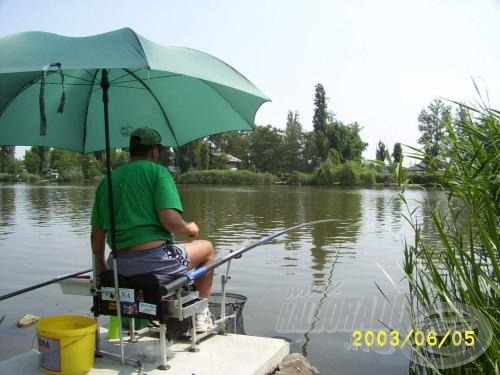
226 177
423 179
32 162
266 149
345 139
299 178
320 115
380 152
7 159
432 123
293 143
76 176
119 157
348 174
397 153
232 143
62 160
8 177
92 169
326 173
29 177
462 263
367 177
43 154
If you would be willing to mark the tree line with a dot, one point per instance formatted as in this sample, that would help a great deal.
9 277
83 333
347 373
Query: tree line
328 154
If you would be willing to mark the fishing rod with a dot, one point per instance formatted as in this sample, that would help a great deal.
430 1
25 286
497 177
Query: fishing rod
199 272
33 287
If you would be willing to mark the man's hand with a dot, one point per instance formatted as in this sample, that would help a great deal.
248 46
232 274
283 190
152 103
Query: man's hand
192 230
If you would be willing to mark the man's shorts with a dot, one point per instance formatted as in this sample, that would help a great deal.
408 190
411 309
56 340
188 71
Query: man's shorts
167 259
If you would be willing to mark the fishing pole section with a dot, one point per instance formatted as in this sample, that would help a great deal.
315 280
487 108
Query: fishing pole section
155 298
199 272
45 283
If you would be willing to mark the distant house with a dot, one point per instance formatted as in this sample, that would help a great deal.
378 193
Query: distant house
52 174
417 168
232 162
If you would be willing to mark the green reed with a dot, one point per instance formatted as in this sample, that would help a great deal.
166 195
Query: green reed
460 265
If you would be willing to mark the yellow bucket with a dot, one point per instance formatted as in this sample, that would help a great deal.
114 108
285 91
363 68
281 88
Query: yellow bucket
66 343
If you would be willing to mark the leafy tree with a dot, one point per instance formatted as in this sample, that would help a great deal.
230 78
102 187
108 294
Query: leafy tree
119 157
202 156
355 146
41 154
380 152
232 143
320 121
462 116
293 143
32 162
7 159
345 139
92 168
184 157
432 123
397 153
309 152
62 160
193 155
266 149
320 116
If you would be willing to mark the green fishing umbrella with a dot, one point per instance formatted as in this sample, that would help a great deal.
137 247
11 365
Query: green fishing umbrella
52 91
89 94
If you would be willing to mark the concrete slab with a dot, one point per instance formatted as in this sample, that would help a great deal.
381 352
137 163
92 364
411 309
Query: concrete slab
218 355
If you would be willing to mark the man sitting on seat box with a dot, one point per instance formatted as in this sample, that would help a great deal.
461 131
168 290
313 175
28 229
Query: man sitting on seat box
147 212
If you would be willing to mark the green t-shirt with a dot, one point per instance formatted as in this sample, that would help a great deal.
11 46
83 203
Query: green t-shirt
140 189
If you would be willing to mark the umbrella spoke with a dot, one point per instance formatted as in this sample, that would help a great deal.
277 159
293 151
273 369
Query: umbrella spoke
152 78
77 78
127 73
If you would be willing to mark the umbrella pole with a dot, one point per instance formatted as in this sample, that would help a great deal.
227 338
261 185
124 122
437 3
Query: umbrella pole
105 99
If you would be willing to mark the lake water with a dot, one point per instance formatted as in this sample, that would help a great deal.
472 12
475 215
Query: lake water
313 286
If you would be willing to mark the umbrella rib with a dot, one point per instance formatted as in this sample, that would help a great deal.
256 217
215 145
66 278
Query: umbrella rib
158 102
77 78
124 75
162 77
13 97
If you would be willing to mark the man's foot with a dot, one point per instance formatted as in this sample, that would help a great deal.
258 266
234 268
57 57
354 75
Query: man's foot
203 322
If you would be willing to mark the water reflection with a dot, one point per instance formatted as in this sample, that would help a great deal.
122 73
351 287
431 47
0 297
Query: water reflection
49 205
367 229
7 209
250 213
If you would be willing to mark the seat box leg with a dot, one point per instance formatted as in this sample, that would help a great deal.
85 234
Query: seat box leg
163 347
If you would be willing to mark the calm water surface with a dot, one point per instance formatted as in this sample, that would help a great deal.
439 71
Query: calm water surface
313 286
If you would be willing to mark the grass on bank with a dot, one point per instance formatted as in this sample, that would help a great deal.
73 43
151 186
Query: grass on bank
462 264
226 177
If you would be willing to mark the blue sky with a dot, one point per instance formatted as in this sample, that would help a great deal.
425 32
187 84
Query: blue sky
381 62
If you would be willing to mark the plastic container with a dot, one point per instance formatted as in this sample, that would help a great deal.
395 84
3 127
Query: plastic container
66 343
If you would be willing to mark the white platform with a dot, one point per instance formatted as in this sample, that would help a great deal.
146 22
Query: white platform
218 355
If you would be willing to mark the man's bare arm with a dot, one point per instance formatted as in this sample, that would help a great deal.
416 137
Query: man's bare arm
97 242
173 222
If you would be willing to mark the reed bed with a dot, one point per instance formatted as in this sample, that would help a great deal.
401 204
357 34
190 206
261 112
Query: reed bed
460 265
